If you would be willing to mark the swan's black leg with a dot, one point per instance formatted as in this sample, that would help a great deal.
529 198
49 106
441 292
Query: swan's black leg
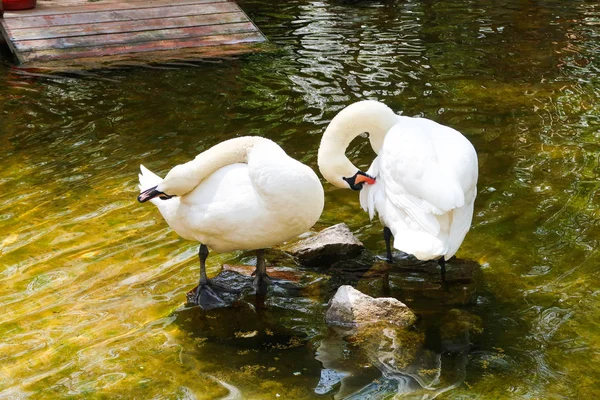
203 255
442 264
261 279
207 295
387 236
386 283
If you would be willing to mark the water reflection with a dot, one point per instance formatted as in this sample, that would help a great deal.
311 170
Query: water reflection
407 368
264 343
89 278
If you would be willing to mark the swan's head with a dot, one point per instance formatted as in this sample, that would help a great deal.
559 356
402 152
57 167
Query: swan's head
152 187
369 116
179 181
338 170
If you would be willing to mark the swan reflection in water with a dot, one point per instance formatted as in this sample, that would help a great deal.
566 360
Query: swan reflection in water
379 359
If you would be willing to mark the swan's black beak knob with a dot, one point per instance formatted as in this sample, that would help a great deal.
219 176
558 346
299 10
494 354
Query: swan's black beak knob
359 179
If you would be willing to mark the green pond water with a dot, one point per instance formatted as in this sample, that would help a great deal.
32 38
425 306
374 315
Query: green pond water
93 284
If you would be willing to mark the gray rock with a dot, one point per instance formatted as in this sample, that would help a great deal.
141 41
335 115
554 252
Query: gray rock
330 245
350 308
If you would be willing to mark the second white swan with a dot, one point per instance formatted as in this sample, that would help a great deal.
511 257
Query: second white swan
423 182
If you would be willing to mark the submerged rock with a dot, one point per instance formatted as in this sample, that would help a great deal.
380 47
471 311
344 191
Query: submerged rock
457 327
330 381
350 308
330 245
396 347
382 328
378 328
418 285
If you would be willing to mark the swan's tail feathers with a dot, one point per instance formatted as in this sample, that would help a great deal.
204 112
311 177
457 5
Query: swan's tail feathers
148 179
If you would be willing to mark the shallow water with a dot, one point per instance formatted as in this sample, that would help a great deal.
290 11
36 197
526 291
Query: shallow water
93 283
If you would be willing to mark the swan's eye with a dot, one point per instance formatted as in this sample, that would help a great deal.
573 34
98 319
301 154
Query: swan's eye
164 196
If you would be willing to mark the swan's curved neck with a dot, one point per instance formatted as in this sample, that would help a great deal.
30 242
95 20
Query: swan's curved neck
365 116
184 178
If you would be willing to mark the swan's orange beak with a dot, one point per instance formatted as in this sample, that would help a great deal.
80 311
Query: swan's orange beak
364 179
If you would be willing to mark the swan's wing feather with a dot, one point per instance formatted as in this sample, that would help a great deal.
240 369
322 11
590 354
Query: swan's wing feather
461 223
369 192
462 216
417 210
427 169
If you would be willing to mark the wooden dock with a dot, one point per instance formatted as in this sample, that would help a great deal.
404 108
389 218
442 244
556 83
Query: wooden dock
81 31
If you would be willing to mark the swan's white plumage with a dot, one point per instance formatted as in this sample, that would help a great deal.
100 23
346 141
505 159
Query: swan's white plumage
263 199
426 178
148 179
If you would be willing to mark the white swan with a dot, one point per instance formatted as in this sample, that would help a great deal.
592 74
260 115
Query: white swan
242 194
422 183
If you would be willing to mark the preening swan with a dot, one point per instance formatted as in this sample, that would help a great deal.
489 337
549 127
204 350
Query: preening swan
242 194
422 183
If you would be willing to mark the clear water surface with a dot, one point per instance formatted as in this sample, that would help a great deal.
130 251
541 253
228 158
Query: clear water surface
92 284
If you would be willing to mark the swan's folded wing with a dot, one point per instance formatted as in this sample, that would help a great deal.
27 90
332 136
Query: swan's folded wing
415 179
461 223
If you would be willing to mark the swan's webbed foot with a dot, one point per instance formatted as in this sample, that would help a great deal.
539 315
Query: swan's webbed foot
209 295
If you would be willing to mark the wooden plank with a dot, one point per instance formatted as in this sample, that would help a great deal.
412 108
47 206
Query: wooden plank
4 32
62 7
132 60
71 32
59 3
218 40
130 38
121 15
71 3
126 26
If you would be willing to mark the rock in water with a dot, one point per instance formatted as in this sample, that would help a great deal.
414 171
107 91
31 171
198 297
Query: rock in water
331 244
350 308
381 329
